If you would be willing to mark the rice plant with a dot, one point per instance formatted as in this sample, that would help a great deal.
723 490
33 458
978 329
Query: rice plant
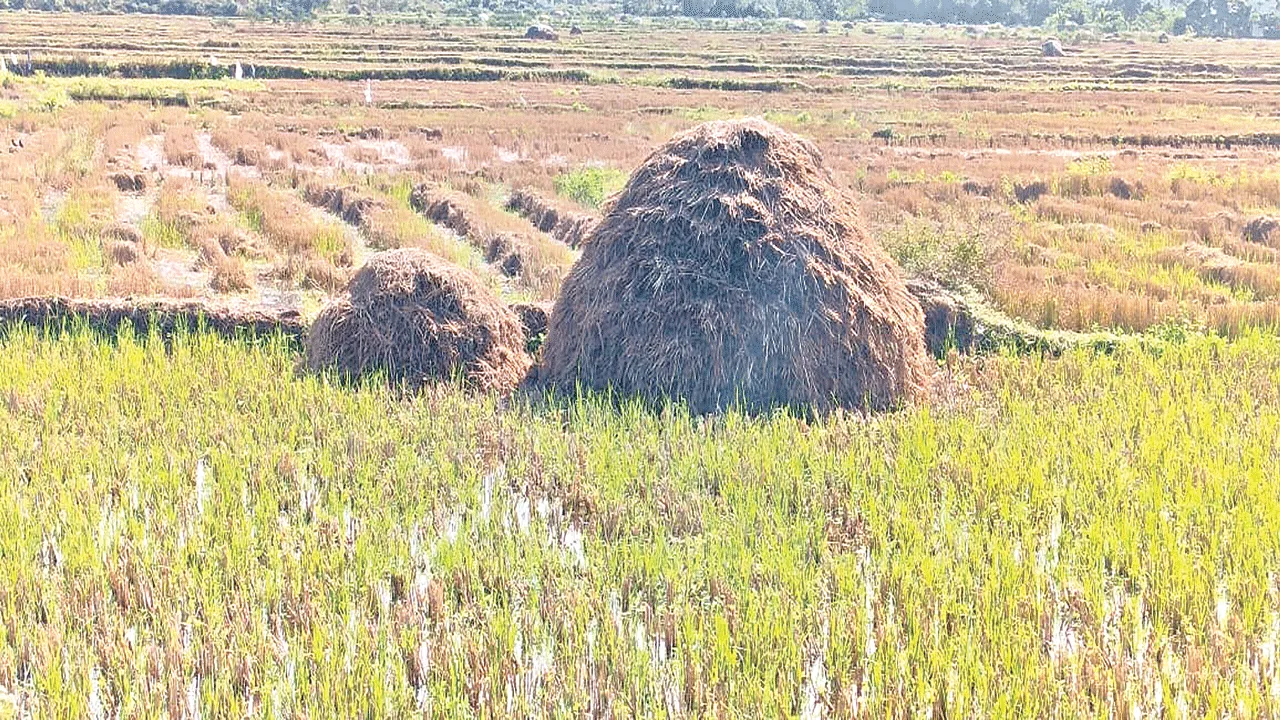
193 527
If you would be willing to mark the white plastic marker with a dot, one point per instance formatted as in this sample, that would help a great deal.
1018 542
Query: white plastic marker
368 92
239 71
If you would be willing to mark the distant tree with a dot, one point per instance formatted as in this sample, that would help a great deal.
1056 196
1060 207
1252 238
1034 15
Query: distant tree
1219 18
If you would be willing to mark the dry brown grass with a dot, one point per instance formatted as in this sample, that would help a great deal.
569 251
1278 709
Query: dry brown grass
361 153
18 281
244 148
509 243
125 128
299 149
229 274
137 279
287 221
181 147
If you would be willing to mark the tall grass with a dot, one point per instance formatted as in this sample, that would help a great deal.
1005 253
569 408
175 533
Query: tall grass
198 528
287 221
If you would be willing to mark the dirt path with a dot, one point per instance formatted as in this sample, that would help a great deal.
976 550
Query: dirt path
133 206
174 266
392 155
181 266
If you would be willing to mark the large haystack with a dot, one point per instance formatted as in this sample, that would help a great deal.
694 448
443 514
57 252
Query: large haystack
419 318
732 270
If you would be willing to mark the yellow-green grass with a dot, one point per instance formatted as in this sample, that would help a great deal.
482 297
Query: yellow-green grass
199 526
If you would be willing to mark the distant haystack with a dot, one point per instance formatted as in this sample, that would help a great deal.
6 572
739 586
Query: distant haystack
541 32
732 270
128 182
1052 48
1163 39
121 253
533 316
1260 229
797 26
418 318
575 31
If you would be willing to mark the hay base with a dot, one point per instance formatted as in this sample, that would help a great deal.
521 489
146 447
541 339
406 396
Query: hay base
166 317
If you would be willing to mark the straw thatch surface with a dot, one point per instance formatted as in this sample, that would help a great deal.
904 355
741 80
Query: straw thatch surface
418 318
732 270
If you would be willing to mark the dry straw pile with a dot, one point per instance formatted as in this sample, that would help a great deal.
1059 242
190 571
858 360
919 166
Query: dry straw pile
732 270
418 318
566 226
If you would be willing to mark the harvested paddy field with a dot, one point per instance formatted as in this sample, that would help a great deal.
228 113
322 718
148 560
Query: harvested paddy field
1071 513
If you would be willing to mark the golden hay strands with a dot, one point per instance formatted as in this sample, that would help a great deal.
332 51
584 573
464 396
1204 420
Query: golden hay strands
419 318
732 270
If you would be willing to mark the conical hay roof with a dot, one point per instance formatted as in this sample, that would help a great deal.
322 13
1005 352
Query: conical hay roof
732 269
419 318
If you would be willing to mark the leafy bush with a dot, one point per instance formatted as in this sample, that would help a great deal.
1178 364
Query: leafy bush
590 185
956 251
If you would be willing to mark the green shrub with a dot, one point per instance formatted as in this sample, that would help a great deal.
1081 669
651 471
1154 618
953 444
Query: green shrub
956 251
590 185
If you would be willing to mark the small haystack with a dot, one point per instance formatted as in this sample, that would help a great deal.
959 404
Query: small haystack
541 32
533 316
129 182
1052 48
731 269
1029 192
121 253
418 318
346 201
1123 189
1261 229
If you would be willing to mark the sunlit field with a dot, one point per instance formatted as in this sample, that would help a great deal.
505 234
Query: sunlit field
197 528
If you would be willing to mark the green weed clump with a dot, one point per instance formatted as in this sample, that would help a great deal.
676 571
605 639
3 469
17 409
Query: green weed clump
960 250
590 186
195 528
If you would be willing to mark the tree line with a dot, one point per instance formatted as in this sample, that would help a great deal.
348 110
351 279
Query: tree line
1216 18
